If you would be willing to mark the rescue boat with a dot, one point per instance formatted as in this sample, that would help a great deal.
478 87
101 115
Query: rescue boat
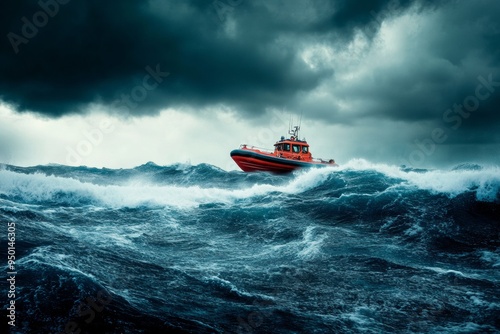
288 155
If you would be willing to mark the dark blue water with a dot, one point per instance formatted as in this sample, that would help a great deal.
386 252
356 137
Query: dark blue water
363 248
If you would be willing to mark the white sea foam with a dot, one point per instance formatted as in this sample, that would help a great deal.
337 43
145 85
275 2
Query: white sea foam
362 317
45 255
306 248
311 243
485 181
492 258
38 188
443 271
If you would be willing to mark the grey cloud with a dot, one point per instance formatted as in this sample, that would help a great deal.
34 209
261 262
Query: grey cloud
94 51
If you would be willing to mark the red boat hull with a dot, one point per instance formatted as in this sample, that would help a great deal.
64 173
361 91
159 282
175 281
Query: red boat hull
253 161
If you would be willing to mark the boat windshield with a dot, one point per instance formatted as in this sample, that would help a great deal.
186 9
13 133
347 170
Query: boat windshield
286 147
296 148
305 149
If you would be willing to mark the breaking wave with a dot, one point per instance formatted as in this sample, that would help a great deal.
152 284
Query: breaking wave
194 185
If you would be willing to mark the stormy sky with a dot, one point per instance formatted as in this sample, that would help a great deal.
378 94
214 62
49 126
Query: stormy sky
121 83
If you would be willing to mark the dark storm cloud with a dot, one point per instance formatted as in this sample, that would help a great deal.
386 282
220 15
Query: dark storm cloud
367 15
57 57
448 53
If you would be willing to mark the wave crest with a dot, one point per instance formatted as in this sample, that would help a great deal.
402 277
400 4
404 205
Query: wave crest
204 184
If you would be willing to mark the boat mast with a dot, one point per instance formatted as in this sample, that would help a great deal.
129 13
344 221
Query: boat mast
294 129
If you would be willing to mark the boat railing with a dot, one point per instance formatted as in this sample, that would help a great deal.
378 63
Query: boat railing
266 150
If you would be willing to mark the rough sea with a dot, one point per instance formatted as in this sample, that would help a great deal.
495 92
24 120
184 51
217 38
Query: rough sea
362 248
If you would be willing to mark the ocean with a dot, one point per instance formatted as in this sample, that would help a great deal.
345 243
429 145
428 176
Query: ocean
362 248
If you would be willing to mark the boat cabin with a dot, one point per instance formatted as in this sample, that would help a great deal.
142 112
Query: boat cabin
292 148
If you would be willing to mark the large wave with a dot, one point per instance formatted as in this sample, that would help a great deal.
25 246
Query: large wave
190 186
484 181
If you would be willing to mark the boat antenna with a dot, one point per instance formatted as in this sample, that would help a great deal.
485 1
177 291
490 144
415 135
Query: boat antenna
300 122
294 129
290 123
